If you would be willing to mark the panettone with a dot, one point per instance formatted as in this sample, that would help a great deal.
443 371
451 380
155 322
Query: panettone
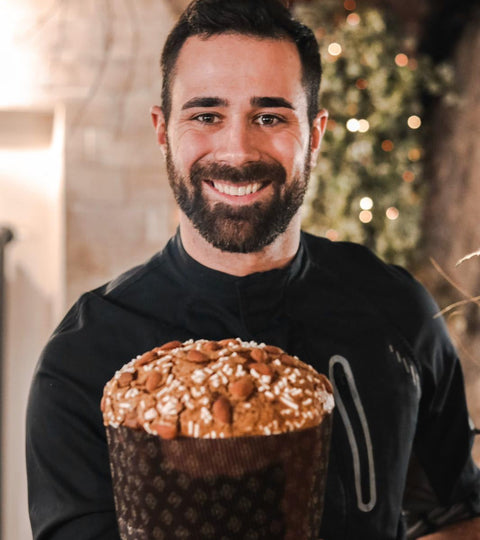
218 440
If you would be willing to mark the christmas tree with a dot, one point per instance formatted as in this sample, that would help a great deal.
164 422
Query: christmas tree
368 184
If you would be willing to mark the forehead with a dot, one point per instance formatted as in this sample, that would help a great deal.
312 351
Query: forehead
239 66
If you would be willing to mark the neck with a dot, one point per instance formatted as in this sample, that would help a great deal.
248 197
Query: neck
278 254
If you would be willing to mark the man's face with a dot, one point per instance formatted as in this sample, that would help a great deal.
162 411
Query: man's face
238 140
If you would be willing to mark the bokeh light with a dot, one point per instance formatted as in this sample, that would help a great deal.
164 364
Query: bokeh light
366 203
414 121
331 124
392 213
408 176
365 216
387 145
353 125
361 84
414 154
350 5
352 109
353 19
401 60
412 64
334 49
363 125
332 235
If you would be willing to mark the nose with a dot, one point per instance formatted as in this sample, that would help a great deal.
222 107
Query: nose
236 143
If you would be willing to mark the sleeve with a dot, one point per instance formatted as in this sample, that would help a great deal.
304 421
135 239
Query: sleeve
69 482
444 483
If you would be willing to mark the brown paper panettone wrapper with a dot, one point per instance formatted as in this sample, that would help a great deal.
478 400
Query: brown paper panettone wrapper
245 488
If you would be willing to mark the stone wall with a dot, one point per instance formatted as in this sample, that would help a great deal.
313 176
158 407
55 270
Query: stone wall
118 204
100 59
102 204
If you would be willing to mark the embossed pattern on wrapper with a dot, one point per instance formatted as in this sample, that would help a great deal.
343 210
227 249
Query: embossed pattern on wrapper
170 489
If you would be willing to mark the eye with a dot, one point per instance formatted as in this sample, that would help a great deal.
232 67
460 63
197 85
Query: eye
268 120
207 118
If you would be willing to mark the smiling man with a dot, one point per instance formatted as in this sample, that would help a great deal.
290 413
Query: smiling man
239 142
240 129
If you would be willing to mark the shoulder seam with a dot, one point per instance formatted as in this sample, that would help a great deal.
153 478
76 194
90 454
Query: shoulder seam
118 286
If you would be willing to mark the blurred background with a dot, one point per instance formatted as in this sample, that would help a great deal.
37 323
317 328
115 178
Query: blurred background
83 187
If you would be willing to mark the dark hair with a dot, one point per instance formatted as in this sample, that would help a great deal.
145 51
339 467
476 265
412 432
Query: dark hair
258 18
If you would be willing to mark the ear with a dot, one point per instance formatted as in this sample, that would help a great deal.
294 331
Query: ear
158 120
318 129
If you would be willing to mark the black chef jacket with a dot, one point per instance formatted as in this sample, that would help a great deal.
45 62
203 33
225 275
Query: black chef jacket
369 326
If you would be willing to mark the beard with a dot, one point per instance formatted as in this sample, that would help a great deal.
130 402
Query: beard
239 229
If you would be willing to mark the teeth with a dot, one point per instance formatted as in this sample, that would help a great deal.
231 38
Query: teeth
237 191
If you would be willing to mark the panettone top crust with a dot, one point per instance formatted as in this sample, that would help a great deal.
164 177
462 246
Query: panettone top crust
211 389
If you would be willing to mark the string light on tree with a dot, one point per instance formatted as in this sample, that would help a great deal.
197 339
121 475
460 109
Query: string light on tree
361 84
408 176
414 121
363 125
366 203
350 5
332 235
334 49
353 125
352 109
365 216
412 64
372 89
414 154
401 60
387 145
331 124
353 19
392 213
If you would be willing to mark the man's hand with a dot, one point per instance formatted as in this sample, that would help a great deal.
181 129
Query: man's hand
463 530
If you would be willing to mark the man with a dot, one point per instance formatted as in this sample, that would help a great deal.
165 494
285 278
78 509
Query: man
240 130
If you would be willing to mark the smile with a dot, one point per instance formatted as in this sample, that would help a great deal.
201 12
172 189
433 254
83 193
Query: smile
237 190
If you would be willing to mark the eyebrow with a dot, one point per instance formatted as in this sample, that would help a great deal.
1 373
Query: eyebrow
263 101
267 101
205 102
